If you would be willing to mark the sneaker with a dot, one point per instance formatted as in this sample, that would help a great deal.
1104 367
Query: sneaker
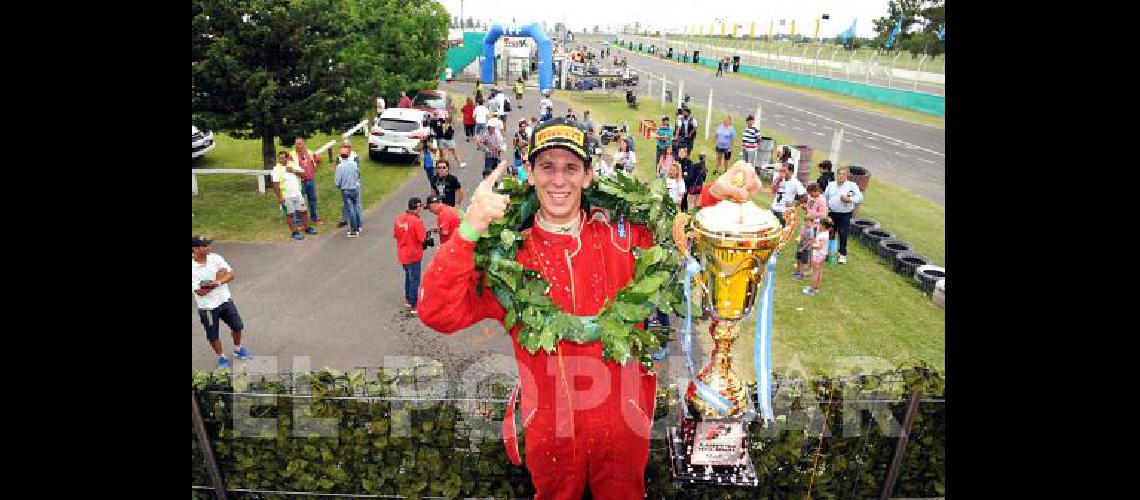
412 311
842 259
297 236
243 354
341 224
352 234
319 222
311 230
463 164
798 276
223 362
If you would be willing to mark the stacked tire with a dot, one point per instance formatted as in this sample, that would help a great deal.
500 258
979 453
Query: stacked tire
890 247
906 263
860 225
927 277
872 237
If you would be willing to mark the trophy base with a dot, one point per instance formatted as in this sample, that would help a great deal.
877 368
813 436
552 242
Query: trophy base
710 451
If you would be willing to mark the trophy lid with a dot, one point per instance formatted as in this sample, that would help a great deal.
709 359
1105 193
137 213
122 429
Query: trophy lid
736 218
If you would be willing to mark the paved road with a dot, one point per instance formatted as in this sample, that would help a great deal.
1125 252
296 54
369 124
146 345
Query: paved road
338 300
901 152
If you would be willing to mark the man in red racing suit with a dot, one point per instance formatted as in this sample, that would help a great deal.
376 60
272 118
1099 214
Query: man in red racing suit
585 419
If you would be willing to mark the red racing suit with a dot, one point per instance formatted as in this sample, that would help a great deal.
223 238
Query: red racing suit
585 419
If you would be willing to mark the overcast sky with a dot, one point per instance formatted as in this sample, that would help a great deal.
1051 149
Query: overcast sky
671 14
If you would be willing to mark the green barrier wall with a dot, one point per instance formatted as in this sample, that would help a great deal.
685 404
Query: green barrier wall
459 57
925 103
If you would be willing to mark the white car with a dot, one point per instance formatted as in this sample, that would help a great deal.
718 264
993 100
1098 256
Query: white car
202 141
398 131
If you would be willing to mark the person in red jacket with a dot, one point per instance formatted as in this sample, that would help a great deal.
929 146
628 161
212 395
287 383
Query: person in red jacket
586 419
468 119
410 235
447 218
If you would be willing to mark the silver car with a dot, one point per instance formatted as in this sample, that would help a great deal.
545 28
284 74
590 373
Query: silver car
398 131
202 141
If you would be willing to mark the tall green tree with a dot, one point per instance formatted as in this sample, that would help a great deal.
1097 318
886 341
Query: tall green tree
278 69
267 69
396 45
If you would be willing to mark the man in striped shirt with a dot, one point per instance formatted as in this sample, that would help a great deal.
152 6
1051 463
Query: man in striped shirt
750 140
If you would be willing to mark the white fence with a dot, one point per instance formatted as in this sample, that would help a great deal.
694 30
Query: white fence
261 173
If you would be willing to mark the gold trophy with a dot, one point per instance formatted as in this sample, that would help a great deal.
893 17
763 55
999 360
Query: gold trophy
732 242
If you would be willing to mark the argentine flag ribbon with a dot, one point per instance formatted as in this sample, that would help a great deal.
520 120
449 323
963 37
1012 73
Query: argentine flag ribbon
762 348
714 399
894 33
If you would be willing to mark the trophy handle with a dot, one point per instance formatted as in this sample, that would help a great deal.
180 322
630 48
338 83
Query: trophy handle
791 217
680 236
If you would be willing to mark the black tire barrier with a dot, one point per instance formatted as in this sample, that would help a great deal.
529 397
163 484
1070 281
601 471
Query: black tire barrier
860 225
891 246
906 263
872 237
927 276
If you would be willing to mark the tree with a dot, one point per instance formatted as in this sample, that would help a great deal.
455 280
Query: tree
397 45
470 22
927 13
268 68
279 69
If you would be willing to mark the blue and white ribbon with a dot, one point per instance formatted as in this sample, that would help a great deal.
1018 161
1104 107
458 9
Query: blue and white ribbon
692 267
762 348
706 393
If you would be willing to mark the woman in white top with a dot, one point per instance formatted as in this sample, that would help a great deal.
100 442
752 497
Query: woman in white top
624 158
675 183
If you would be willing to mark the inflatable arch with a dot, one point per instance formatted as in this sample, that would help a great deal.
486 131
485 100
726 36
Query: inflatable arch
532 30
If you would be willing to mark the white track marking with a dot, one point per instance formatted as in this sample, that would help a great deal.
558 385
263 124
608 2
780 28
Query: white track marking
847 125
797 128
816 132
872 146
924 160
779 124
871 135
810 124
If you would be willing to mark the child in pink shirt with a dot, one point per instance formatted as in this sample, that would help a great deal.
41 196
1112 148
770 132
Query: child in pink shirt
816 204
818 255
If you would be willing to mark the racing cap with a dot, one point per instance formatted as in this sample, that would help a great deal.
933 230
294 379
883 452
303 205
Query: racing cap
558 133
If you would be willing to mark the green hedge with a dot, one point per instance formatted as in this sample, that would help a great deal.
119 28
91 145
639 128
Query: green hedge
447 453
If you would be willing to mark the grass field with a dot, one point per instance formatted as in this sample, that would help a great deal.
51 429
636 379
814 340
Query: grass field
853 102
866 316
228 207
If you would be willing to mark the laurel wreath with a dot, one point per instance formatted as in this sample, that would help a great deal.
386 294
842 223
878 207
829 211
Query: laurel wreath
523 292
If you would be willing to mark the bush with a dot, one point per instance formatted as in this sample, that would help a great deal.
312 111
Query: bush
445 452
